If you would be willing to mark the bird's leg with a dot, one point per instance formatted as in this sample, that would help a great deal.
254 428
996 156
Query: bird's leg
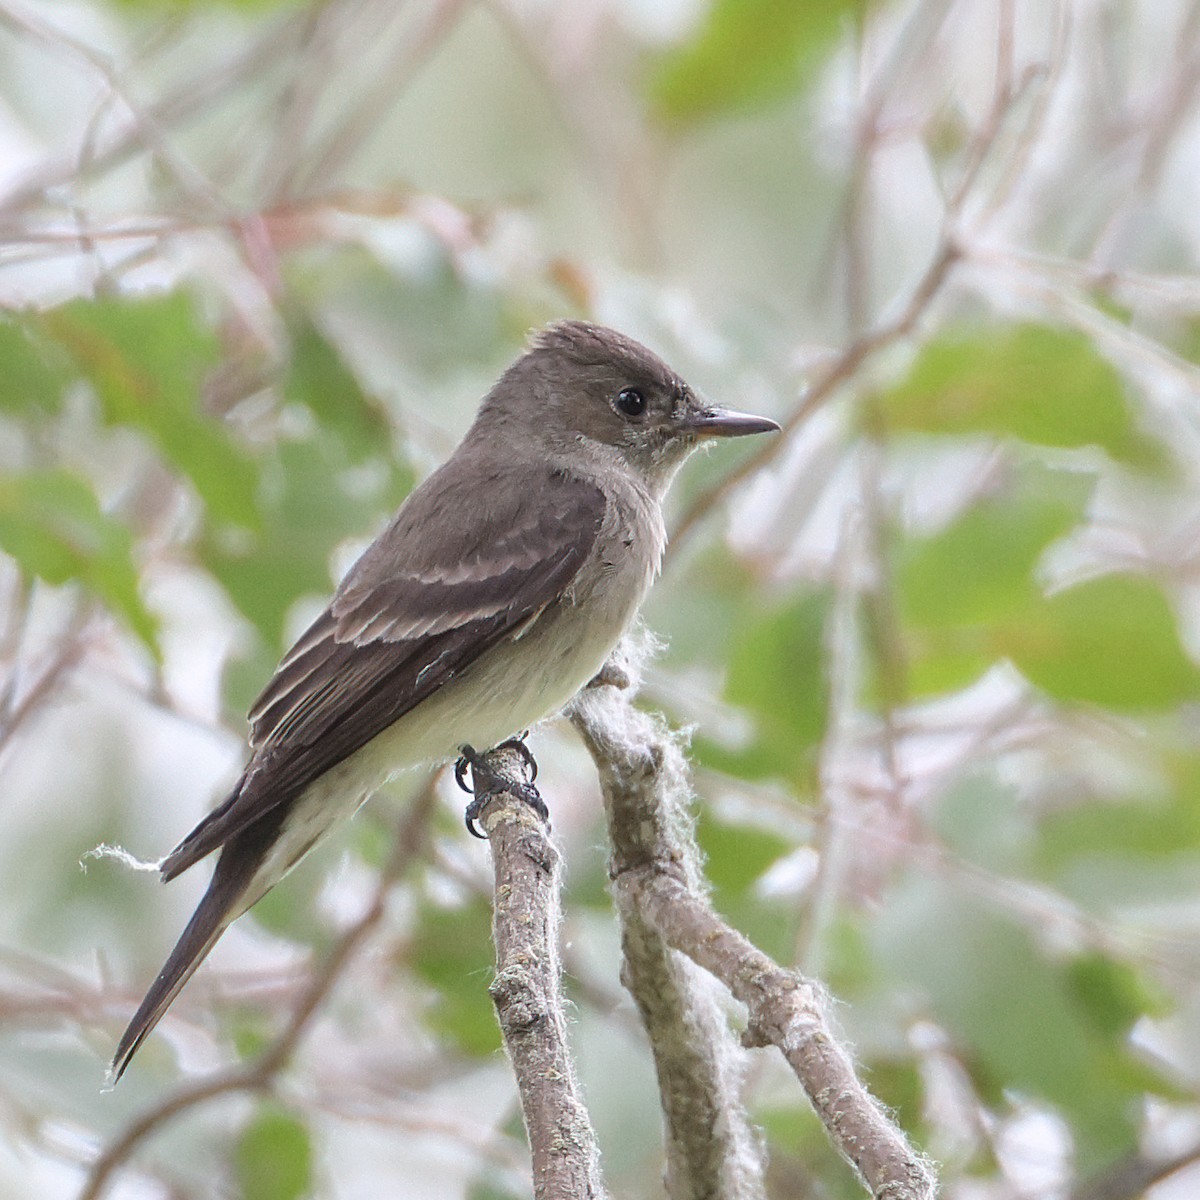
485 781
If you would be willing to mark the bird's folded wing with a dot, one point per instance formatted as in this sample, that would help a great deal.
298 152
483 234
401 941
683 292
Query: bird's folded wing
407 620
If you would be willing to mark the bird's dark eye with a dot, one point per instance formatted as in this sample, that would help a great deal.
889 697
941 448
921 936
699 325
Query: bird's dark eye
630 402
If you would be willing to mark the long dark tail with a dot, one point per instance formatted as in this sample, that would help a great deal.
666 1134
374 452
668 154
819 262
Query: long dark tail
222 903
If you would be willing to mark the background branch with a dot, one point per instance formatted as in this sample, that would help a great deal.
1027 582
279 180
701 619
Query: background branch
260 1074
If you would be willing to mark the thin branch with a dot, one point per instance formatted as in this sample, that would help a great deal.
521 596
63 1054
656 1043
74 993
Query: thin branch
1132 1176
212 85
145 128
639 762
527 990
70 648
711 1148
362 119
260 1074
839 371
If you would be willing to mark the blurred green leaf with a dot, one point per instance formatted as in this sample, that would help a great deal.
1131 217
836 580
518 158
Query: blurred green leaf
1110 995
980 569
31 382
51 523
1034 382
1111 641
306 511
318 378
968 597
776 673
1153 827
748 54
735 857
308 500
147 360
1025 1023
452 950
273 1156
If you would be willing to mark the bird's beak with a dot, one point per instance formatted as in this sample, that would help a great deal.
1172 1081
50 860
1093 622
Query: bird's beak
724 422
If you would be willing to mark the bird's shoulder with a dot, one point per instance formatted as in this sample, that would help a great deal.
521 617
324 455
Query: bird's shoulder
479 518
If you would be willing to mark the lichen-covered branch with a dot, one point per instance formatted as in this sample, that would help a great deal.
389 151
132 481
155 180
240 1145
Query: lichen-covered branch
643 775
527 989
711 1148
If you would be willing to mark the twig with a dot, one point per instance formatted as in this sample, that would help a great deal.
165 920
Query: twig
527 990
67 654
211 85
839 371
326 158
843 368
638 760
260 1074
1131 1176
146 127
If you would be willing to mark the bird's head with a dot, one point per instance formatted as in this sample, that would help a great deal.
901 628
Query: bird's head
586 386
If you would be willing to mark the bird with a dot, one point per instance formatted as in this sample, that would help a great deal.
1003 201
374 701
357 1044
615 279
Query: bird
495 594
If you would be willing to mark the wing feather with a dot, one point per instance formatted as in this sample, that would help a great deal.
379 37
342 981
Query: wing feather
407 619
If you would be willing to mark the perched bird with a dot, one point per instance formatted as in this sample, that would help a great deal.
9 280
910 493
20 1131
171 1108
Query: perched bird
495 594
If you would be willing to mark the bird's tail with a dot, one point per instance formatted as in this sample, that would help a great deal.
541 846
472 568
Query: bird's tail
216 911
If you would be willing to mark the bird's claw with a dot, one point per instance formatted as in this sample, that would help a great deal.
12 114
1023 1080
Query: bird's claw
470 759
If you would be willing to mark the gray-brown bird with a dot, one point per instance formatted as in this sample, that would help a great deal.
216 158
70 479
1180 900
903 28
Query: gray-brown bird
495 594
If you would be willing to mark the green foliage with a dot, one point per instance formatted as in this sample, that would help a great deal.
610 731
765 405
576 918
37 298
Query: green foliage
32 386
1034 382
980 569
747 54
273 1156
306 503
318 378
1154 828
969 597
1025 1022
776 673
147 360
735 859
1110 641
51 523
453 952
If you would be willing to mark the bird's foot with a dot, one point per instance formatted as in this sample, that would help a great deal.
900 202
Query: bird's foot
484 781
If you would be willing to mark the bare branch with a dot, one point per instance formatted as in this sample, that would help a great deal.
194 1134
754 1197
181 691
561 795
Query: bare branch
1131 1176
840 370
711 1148
527 990
16 709
639 763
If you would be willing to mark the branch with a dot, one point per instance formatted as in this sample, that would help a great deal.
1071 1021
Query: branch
838 371
1133 1175
260 1074
527 990
643 775
711 1148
